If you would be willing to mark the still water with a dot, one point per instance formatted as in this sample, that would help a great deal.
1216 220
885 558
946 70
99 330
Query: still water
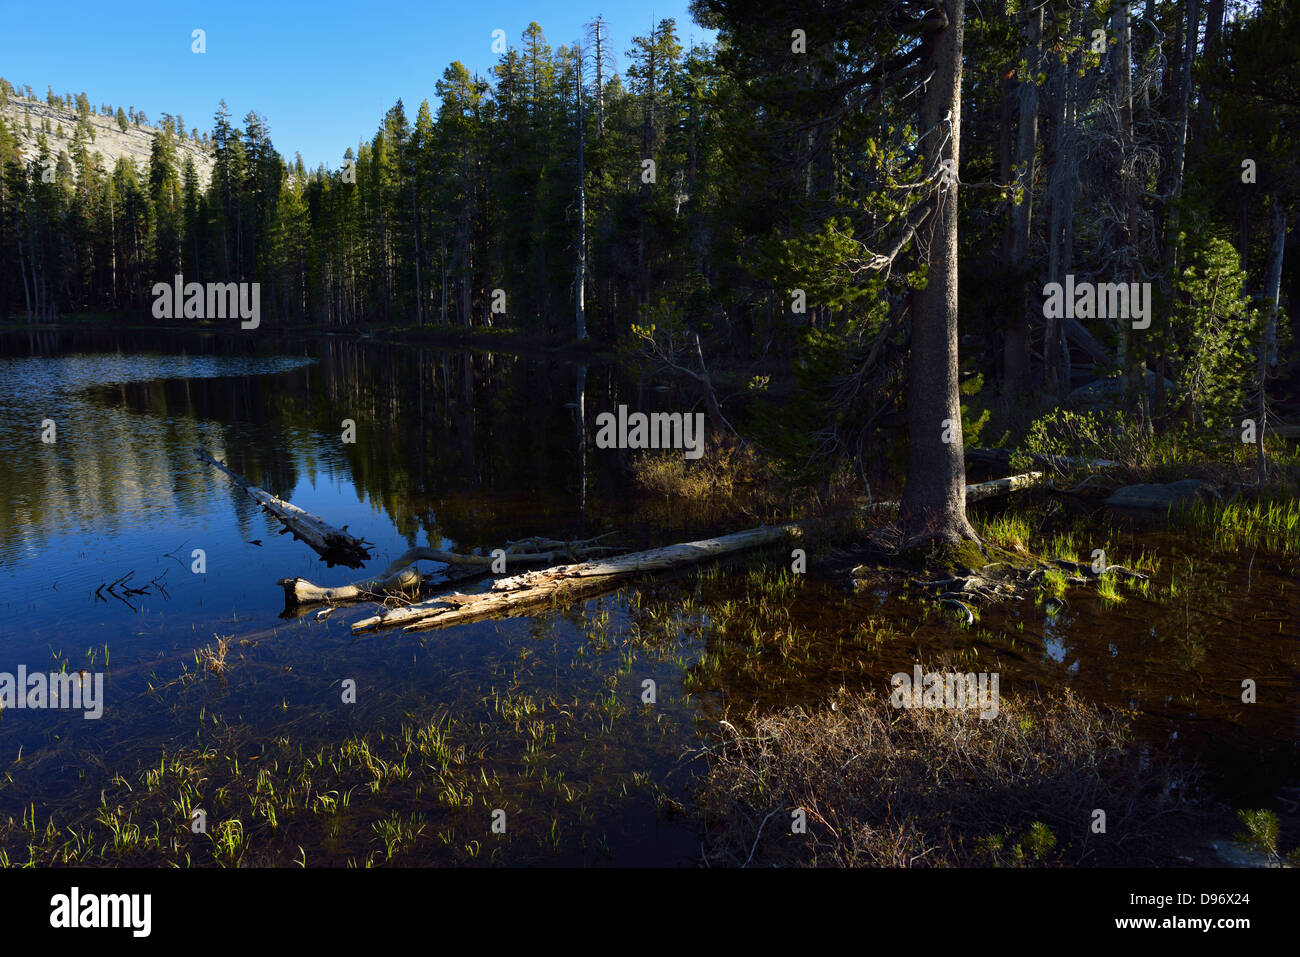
465 450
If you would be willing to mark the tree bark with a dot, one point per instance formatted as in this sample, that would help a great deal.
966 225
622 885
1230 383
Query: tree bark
933 505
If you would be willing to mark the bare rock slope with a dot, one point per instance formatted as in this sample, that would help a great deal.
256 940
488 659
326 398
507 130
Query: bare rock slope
110 141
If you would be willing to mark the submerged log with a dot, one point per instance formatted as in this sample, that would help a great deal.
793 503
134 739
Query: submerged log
519 592
334 545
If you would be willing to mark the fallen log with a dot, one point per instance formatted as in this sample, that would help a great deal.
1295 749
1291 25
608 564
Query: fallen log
517 593
1002 486
334 545
1002 459
405 580
401 577
981 490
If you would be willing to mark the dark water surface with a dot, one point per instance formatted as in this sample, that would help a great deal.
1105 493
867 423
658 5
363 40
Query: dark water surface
468 450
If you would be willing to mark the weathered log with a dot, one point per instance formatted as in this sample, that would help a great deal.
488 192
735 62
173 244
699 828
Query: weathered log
1002 486
514 594
981 490
334 545
401 577
299 591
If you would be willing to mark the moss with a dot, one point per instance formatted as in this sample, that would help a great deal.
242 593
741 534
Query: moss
961 557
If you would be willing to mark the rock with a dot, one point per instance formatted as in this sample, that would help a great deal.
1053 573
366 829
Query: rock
1162 497
1236 854
134 144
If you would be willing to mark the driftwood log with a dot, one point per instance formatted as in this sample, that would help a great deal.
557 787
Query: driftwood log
334 545
567 582
401 577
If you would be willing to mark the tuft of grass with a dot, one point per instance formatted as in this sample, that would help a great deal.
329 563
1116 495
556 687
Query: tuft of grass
1108 591
1055 582
213 657
728 470
397 832
1010 531
896 787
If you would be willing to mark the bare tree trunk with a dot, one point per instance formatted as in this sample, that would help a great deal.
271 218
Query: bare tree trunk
1173 215
1268 341
27 296
415 230
582 215
933 505
1122 65
1015 356
443 261
599 33
1063 181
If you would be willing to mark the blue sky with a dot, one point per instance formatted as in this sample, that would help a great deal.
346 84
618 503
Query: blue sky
322 73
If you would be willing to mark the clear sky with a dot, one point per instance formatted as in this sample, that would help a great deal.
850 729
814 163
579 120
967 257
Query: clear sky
322 73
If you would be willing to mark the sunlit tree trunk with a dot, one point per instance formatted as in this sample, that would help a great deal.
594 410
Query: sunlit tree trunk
933 505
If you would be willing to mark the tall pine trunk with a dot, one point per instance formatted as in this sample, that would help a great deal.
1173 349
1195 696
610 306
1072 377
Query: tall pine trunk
933 505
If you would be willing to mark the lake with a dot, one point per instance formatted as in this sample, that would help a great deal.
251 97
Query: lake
544 718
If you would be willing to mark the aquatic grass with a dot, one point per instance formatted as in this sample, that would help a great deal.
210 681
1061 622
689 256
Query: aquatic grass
1108 591
1269 525
229 841
1055 582
398 833
1061 545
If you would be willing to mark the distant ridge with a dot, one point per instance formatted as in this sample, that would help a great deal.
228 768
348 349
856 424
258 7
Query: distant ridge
110 141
